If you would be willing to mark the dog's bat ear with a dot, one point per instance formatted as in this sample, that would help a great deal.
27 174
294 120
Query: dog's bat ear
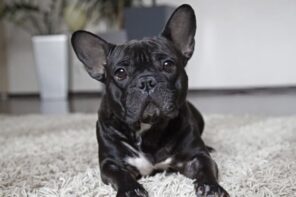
92 51
180 29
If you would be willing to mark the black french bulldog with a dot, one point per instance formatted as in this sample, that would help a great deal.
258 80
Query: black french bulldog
145 123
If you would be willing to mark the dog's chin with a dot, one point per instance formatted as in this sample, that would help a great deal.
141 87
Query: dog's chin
153 114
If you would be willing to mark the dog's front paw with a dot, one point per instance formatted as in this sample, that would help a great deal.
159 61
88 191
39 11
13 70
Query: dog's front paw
210 190
135 191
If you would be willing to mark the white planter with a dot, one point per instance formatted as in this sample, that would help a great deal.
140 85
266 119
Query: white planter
51 57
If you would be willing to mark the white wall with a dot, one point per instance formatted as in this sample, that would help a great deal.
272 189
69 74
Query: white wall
3 76
20 64
243 43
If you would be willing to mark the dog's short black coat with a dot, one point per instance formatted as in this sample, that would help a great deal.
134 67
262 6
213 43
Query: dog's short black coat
145 123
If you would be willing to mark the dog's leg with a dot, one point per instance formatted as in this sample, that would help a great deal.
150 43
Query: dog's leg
203 169
121 179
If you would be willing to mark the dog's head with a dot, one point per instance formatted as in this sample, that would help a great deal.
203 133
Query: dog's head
145 79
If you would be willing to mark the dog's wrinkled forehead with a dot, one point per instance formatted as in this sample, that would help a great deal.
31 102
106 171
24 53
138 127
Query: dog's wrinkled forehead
139 52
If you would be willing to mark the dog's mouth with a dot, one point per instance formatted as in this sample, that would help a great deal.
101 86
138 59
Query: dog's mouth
153 113
152 109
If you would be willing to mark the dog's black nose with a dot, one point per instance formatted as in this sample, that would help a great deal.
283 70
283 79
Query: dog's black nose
146 83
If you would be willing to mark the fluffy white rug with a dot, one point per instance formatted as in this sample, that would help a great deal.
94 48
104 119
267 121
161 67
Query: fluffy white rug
57 156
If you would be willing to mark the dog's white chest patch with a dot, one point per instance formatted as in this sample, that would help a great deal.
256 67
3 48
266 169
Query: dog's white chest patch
141 162
144 166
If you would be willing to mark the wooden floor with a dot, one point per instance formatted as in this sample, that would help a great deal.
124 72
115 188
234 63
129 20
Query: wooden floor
260 102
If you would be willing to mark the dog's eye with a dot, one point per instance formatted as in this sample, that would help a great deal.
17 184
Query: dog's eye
120 74
168 66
